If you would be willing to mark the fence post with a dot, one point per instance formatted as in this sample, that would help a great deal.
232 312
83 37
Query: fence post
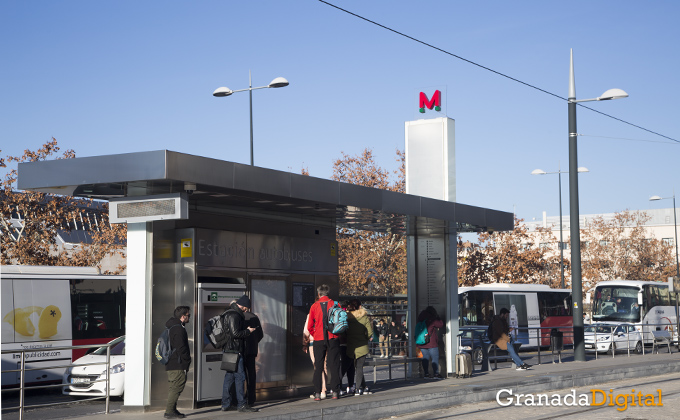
21 385
540 338
108 376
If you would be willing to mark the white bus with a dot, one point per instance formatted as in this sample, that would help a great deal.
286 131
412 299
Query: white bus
531 306
49 307
646 304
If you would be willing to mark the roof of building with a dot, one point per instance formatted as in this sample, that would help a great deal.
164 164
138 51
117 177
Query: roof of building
233 186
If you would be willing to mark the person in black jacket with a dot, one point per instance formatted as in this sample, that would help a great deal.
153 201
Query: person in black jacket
395 337
500 335
179 361
235 340
252 343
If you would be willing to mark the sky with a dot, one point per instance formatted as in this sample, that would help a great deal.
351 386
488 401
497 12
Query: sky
111 77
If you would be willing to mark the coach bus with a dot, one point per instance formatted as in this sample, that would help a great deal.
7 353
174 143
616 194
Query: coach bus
49 307
531 306
646 304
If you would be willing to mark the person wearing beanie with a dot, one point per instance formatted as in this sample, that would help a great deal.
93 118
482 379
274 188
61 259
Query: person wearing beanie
244 302
237 333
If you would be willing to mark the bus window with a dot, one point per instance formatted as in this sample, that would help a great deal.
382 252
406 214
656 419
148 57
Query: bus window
553 304
476 308
97 308
664 299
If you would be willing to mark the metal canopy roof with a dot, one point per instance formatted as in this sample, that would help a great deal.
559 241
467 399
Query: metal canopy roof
227 186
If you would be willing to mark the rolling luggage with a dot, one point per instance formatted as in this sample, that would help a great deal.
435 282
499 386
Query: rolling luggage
463 363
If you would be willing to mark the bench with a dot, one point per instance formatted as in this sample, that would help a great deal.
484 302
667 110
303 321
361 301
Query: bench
661 337
375 362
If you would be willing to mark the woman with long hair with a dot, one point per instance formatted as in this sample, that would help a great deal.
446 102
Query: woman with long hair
430 350
359 333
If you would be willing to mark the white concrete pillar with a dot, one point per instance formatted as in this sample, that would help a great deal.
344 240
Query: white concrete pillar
138 342
452 316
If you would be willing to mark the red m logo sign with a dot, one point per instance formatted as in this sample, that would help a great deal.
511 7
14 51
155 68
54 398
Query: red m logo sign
435 102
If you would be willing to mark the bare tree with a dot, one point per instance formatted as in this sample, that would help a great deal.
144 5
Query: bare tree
516 256
370 262
621 247
30 222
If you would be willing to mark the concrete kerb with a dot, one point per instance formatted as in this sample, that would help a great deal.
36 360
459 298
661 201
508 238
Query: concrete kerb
399 397
462 393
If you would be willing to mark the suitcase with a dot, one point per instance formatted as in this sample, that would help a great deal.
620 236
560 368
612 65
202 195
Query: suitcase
463 365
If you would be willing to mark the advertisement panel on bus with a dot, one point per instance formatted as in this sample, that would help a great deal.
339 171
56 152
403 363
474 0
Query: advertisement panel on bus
44 308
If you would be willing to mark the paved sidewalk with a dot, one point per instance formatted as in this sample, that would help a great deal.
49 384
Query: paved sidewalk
402 397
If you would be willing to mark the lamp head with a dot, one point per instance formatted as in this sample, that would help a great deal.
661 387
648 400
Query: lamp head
538 172
582 169
613 94
654 198
222 91
279 82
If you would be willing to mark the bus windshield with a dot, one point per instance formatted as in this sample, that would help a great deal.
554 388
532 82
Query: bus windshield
616 303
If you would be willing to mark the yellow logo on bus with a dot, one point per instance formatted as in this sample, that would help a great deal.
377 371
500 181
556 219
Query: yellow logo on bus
20 319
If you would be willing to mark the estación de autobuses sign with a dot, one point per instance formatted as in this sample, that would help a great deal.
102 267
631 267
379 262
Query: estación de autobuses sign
250 250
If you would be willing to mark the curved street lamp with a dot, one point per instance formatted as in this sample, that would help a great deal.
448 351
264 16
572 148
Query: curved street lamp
559 174
220 92
576 283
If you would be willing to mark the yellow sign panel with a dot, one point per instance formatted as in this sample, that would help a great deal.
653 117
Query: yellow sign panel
333 246
187 248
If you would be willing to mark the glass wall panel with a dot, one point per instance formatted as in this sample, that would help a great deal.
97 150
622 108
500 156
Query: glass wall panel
270 305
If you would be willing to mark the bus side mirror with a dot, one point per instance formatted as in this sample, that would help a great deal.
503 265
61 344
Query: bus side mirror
640 299
588 298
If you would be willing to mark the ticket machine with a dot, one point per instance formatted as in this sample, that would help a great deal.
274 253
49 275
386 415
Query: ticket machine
213 300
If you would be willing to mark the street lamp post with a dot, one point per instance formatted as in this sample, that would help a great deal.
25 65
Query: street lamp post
574 228
675 223
559 175
279 82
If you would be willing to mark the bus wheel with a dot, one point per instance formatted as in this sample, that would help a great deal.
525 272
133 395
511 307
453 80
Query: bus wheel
638 347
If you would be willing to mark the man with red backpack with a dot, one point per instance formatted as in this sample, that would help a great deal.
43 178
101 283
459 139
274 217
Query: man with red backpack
325 343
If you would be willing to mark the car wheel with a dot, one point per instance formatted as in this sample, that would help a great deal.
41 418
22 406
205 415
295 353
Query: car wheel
638 347
478 356
612 349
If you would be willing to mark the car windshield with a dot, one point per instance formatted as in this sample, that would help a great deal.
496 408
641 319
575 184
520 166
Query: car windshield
599 329
117 348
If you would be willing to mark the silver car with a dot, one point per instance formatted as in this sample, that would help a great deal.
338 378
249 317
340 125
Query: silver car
611 337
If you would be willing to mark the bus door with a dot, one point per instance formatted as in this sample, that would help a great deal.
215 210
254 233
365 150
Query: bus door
524 317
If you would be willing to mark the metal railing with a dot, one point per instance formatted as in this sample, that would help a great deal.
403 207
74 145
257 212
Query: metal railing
543 339
22 375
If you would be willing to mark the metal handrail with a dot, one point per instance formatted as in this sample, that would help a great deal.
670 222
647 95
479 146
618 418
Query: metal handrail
22 373
540 334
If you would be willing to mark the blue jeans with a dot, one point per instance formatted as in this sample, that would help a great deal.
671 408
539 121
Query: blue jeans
229 377
513 354
431 356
